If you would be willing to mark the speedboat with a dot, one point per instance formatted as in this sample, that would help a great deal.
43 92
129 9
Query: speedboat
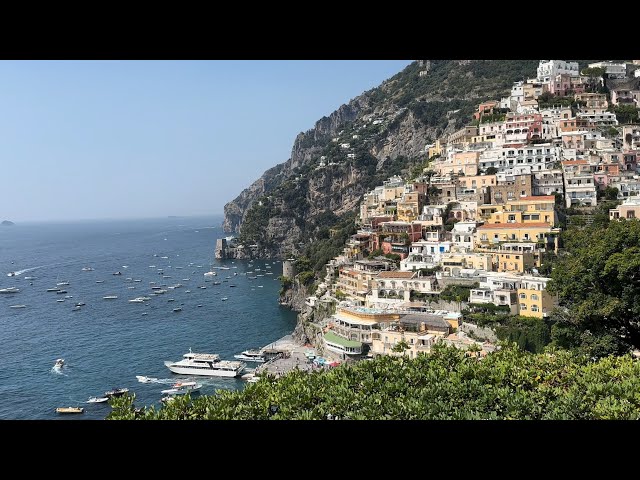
143 379
60 284
224 298
117 273
17 306
59 364
251 355
80 304
69 410
205 364
87 269
9 290
98 399
179 309
180 388
116 392
11 274
110 297
210 274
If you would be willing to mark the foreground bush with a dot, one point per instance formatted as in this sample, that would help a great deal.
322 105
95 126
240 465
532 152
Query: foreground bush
508 384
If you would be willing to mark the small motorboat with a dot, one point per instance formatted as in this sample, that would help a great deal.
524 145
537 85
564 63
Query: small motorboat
116 392
180 388
59 363
60 284
116 273
76 309
98 399
60 300
87 269
177 309
198 305
143 379
69 410
224 298
110 297
17 306
61 292
11 274
80 304
99 281
9 290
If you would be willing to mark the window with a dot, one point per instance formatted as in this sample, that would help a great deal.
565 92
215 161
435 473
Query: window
523 306
535 297
483 237
523 295
534 308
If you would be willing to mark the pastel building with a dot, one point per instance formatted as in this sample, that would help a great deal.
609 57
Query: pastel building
533 300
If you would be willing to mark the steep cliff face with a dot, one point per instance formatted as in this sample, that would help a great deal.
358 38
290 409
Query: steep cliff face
377 134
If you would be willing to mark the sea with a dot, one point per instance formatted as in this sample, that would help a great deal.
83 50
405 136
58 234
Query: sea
107 343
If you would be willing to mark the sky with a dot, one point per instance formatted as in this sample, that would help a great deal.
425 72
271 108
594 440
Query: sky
135 139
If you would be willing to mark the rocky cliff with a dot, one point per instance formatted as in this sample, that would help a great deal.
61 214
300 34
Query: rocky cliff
380 133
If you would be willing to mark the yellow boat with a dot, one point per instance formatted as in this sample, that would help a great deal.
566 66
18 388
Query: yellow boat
69 410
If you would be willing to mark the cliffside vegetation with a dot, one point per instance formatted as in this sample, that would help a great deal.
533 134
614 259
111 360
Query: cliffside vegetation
447 384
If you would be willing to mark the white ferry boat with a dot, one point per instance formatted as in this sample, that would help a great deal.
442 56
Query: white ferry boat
205 364
252 355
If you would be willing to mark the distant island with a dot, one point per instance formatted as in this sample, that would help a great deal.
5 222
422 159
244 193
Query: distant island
6 223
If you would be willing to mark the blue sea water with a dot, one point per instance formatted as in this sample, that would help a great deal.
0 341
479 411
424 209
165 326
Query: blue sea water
108 342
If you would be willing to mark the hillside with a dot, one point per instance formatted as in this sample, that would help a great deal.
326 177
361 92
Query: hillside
387 129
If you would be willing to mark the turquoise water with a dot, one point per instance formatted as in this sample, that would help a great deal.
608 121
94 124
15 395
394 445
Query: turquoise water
108 342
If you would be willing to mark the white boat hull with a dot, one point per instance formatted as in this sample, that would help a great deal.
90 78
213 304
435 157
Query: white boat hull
249 359
205 372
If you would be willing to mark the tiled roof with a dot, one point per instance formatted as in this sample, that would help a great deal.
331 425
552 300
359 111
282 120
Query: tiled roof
489 226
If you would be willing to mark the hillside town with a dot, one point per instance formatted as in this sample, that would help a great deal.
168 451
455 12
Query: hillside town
474 227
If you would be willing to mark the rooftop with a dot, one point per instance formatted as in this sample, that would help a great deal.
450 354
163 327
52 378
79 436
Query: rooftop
396 274
333 338
545 198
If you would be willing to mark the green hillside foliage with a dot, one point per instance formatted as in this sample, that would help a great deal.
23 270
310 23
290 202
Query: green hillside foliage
598 283
447 384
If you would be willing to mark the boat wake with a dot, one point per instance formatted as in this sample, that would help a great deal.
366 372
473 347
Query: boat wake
20 272
58 371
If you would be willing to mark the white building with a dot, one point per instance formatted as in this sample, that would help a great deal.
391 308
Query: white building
613 70
547 182
462 235
548 69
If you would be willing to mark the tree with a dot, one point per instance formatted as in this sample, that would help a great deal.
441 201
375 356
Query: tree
598 283
491 171
611 193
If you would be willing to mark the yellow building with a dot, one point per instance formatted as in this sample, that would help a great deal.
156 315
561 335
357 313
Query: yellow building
436 149
525 210
514 261
533 300
409 207
452 262
495 233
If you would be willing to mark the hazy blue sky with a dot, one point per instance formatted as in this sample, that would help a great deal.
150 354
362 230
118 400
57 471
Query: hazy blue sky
130 139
